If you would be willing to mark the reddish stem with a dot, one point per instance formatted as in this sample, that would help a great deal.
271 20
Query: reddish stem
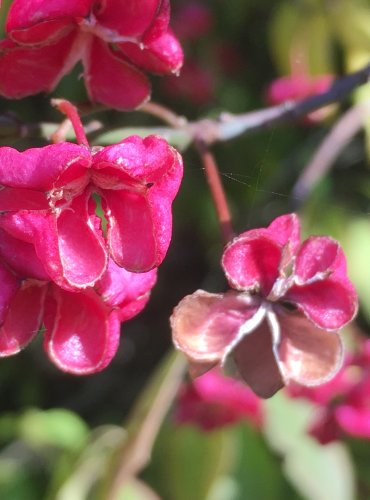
71 113
217 192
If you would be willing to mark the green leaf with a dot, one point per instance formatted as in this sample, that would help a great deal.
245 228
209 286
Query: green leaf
57 427
176 137
355 60
77 474
136 490
318 472
356 244
299 37
259 473
187 462
20 482
351 23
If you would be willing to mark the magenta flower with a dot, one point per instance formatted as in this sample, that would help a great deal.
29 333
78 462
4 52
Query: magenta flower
347 413
196 84
213 401
279 322
82 329
49 200
116 41
298 87
193 20
21 311
353 415
342 405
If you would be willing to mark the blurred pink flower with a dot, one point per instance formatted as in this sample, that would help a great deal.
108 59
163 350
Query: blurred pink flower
196 84
212 401
342 405
192 20
297 88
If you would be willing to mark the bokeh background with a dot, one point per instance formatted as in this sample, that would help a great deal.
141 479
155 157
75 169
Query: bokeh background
57 431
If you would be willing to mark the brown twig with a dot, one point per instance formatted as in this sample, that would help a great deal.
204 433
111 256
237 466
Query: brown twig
228 126
233 125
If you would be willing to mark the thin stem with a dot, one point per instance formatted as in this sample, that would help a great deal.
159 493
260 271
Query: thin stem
228 126
61 133
233 125
164 114
71 112
144 424
217 191
333 144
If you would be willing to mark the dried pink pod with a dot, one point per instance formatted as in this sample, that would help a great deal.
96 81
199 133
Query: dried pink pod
280 323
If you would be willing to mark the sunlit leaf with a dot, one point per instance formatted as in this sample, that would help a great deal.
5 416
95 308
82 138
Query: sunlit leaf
300 40
177 138
136 490
56 427
259 472
187 462
357 246
318 472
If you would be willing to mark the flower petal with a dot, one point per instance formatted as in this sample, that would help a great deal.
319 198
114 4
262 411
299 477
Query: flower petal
213 401
43 33
139 215
319 257
205 324
162 55
34 21
251 262
131 235
286 230
136 161
322 289
21 257
40 168
330 304
160 22
113 81
9 287
30 70
127 292
130 18
324 427
23 318
354 421
81 248
82 335
255 362
308 355
72 252
14 199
